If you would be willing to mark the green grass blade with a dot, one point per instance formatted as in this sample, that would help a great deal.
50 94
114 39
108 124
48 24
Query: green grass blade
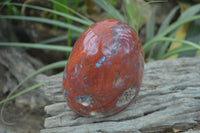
59 7
43 20
177 24
177 51
9 97
195 45
22 92
54 12
150 26
168 19
130 13
55 39
45 68
190 12
162 39
4 4
73 11
168 30
109 9
60 38
37 46
14 96
163 47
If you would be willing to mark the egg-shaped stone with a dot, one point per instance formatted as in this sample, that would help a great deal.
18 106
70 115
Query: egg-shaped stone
104 71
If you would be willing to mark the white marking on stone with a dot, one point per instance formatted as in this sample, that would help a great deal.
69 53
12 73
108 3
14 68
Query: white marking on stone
126 97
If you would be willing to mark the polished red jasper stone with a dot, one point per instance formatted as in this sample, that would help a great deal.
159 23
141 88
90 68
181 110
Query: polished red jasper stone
104 71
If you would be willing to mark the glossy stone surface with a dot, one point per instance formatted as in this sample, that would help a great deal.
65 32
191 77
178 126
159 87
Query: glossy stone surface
105 69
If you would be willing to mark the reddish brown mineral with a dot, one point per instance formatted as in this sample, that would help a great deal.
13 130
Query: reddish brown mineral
104 71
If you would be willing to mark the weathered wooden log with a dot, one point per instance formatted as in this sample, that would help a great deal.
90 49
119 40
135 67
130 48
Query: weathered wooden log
15 66
169 101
